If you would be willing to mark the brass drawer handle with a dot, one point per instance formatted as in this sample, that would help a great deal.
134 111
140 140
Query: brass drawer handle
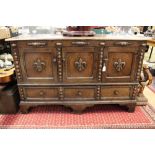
81 43
42 93
116 92
144 45
58 44
102 43
36 44
122 43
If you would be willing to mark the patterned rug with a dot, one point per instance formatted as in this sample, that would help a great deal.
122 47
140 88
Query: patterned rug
99 116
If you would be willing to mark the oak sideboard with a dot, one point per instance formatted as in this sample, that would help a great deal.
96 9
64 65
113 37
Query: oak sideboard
77 71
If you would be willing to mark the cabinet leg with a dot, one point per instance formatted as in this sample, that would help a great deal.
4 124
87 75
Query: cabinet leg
131 107
24 109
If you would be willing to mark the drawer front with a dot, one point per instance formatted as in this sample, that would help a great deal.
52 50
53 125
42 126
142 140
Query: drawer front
116 92
79 93
80 43
53 43
33 93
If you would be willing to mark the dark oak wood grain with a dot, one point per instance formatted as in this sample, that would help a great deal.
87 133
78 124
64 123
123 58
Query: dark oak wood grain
78 73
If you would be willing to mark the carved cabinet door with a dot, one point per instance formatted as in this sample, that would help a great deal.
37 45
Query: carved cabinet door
120 64
38 64
80 64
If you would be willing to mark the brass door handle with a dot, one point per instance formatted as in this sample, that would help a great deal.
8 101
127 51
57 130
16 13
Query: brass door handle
80 43
104 68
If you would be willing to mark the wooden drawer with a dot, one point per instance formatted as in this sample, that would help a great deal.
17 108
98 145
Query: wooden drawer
54 43
79 93
33 43
77 43
41 93
124 43
116 92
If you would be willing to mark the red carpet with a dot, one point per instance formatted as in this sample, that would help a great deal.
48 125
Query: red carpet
99 116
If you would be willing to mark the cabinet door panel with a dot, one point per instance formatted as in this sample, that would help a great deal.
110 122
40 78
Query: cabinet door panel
120 65
37 64
80 64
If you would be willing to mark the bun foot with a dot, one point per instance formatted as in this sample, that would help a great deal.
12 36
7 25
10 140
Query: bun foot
79 108
131 107
24 109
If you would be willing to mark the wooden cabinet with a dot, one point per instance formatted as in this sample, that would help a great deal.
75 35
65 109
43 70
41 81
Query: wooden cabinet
78 71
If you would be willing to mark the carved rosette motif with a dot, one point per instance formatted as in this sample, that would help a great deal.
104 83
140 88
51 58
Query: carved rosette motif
59 60
119 65
39 65
80 64
16 61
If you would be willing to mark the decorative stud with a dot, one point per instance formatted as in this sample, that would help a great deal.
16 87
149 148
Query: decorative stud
13 45
100 63
98 92
61 96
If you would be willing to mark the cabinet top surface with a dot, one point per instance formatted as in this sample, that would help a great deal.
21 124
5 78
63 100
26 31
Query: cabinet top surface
60 37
